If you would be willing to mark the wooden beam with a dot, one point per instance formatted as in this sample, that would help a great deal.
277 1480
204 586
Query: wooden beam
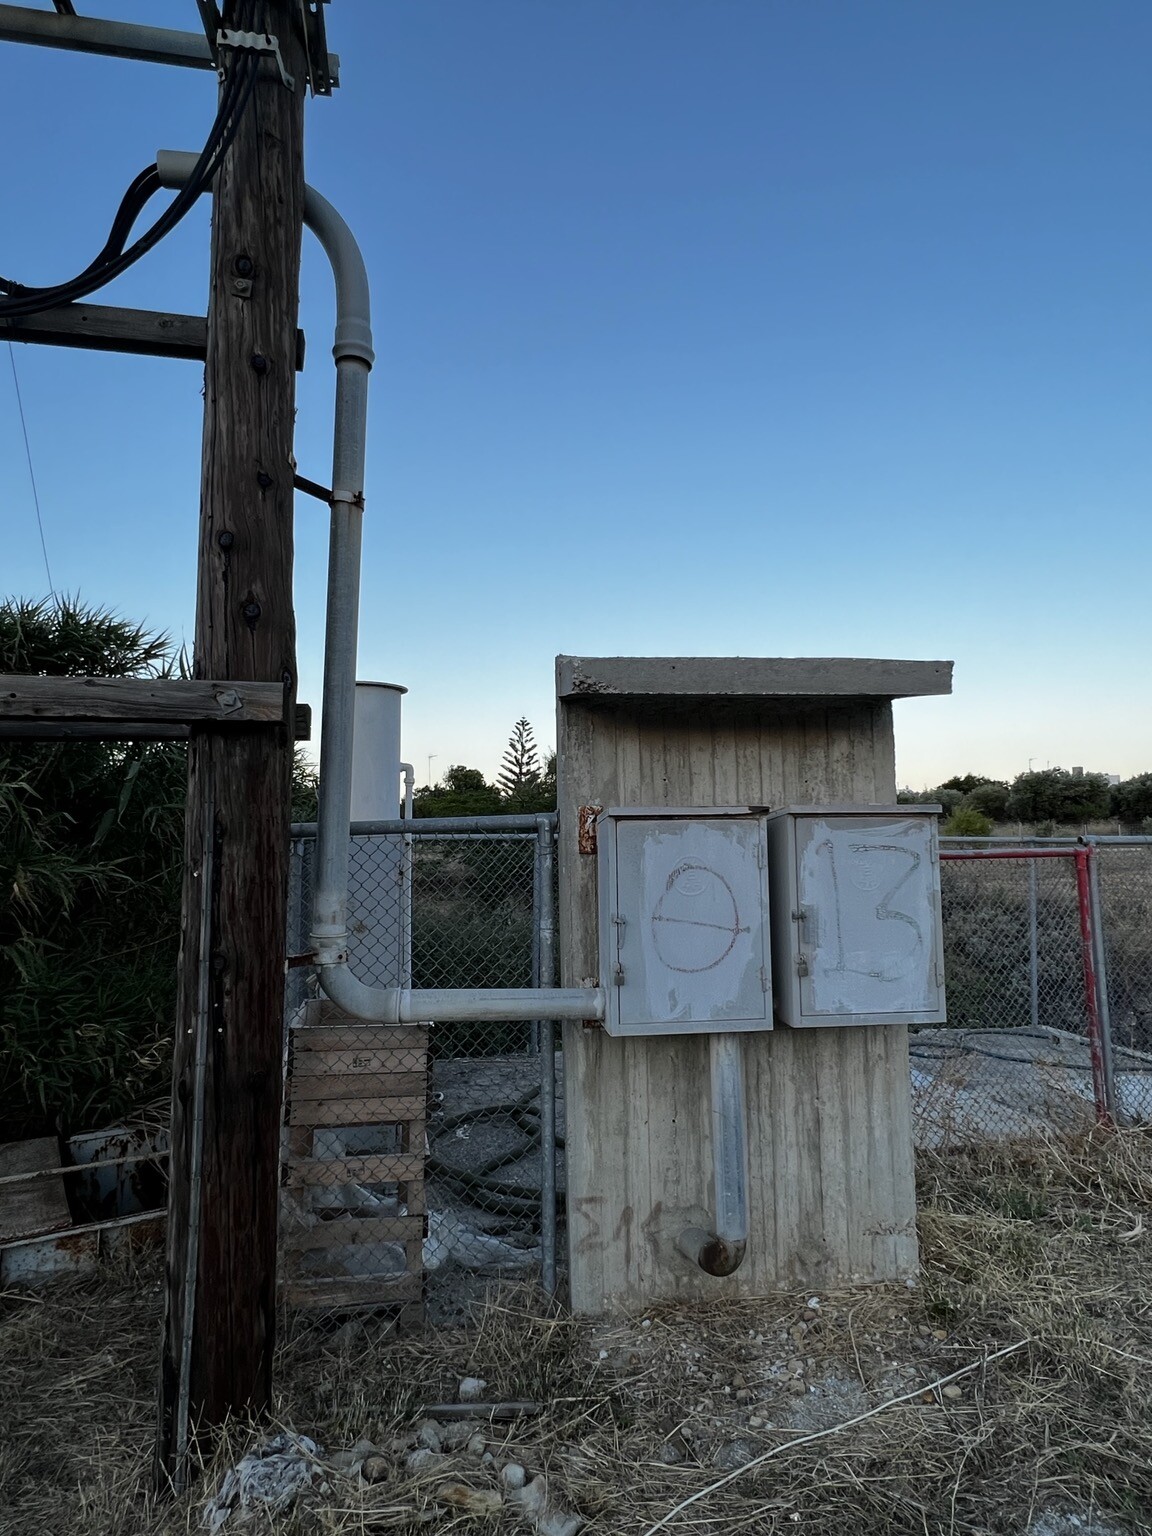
160 701
130 730
220 1314
108 328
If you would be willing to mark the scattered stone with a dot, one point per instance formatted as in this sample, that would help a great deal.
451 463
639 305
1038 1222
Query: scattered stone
738 1380
756 1422
375 1469
797 1387
952 1392
796 1366
476 1446
351 1460
420 1460
472 1389
429 1436
940 1333
513 1475
736 1453
455 1436
670 1454
532 1497
923 1330
745 1395
481 1502
810 1314
814 1303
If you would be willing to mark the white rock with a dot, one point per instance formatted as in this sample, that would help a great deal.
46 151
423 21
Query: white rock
421 1460
513 1475
471 1389
476 1446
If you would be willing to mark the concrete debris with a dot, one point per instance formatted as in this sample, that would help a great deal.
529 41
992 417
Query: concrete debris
268 1479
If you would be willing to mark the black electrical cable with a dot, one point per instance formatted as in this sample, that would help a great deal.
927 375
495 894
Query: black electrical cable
106 266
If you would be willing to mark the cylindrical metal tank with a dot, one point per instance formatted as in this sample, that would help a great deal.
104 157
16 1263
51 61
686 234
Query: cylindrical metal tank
379 886
376 752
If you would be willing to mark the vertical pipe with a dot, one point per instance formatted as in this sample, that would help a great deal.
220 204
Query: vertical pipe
1096 912
1091 995
534 1027
1033 947
721 1251
547 967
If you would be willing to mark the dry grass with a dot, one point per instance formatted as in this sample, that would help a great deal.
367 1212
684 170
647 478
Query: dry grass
1044 1244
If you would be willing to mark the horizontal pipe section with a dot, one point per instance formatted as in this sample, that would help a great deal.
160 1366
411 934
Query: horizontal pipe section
429 824
404 1005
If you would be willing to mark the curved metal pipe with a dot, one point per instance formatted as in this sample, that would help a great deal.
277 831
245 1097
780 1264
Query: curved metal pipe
721 1252
352 349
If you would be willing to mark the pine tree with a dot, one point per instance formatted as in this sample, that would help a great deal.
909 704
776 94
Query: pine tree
520 767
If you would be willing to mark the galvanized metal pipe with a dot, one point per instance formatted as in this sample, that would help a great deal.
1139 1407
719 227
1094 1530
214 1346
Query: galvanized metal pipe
721 1251
352 349
547 914
431 826
1096 915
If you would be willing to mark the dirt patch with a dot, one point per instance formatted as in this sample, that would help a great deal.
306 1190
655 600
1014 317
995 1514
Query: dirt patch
1009 1394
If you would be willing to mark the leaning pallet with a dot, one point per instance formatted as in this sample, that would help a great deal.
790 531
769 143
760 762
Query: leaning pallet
354 1213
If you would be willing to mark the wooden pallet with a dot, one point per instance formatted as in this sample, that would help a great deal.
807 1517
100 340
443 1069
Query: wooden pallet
344 1074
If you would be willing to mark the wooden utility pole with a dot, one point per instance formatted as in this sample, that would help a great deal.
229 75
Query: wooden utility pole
226 1102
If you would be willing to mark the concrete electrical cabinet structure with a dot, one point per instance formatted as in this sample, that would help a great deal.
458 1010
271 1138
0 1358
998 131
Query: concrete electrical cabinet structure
856 931
684 937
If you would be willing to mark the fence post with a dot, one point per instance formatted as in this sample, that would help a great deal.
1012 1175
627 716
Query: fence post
1096 914
1033 947
546 929
1091 990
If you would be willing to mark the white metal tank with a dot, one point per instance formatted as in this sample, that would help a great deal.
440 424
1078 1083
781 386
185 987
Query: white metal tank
380 882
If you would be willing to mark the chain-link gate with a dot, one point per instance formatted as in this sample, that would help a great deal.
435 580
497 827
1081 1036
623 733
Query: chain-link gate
421 1161
1045 955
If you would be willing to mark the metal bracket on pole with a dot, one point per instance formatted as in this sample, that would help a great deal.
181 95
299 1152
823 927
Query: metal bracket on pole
253 42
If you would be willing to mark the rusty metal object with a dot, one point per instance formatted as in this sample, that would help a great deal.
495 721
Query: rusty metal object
586 832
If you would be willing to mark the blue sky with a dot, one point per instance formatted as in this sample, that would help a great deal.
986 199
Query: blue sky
760 327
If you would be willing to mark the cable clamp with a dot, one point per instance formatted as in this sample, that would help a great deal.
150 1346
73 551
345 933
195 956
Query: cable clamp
253 42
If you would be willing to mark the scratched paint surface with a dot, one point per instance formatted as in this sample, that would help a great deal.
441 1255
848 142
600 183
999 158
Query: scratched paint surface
691 943
868 897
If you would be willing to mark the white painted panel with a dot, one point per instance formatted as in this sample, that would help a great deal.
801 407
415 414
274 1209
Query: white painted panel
868 897
690 903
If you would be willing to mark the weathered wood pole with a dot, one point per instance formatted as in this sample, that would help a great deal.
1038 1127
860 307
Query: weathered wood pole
221 1260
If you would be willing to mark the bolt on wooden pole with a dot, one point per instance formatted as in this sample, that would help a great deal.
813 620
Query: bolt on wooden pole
226 1101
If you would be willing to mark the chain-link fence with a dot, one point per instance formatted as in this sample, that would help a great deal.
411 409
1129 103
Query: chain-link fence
420 1162
1048 957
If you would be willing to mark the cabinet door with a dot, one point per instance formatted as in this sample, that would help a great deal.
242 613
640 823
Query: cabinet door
690 931
869 916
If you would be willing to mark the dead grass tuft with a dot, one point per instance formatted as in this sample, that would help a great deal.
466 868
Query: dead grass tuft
1010 1390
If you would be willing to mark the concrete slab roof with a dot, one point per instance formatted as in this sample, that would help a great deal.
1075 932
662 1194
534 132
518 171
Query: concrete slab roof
747 678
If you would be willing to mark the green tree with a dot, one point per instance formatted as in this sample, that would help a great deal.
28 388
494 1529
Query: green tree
965 782
461 792
1131 799
91 854
1054 794
520 768
990 799
966 822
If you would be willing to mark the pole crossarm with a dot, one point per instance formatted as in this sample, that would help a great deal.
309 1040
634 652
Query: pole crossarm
152 45
154 701
109 328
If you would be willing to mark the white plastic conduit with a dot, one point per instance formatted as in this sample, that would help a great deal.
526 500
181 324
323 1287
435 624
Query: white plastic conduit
352 350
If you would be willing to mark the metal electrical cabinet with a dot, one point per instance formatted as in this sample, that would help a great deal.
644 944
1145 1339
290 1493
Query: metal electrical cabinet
856 934
684 938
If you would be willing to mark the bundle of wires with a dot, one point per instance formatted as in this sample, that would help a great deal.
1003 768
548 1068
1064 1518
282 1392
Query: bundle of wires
113 259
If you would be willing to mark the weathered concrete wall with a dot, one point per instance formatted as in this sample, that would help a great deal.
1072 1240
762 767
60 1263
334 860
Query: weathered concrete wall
832 1195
